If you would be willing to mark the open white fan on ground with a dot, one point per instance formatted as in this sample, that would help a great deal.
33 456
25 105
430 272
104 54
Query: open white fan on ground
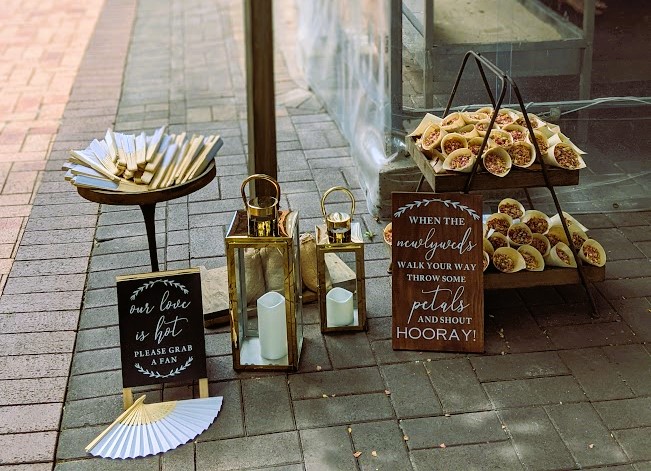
149 429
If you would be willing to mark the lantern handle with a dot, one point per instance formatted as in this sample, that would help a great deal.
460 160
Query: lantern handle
259 176
338 188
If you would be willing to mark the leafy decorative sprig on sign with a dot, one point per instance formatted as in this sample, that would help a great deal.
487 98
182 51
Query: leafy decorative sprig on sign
425 202
165 281
156 374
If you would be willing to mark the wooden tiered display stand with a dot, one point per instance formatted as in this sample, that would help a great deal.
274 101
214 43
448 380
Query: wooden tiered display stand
538 175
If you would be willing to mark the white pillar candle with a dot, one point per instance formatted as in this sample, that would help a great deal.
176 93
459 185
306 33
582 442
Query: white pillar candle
339 307
272 326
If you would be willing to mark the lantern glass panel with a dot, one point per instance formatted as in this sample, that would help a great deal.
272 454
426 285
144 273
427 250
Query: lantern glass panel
341 294
262 327
298 283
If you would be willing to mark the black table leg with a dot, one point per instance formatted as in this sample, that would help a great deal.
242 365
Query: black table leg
149 213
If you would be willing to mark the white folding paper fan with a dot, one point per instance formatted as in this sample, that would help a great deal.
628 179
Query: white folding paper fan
149 429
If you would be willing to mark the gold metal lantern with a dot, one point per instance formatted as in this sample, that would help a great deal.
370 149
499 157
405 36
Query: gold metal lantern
340 269
264 284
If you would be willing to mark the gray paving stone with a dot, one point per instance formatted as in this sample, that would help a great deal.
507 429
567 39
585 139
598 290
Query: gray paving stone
314 354
262 451
349 350
385 354
29 467
645 466
119 260
54 223
123 230
379 329
177 217
403 380
617 246
180 459
106 278
458 429
533 392
92 318
386 439
500 455
541 295
206 242
596 374
521 332
55 250
101 297
126 216
536 440
72 235
213 221
457 386
49 267
34 447
630 268
572 314
518 366
34 366
635 312
378 297
579 426
38 343
56 198
230 421
30 418
624 289
95 411
46 283
39 302
72 441
63 210
339 382
126 245
38 321
267 406
102 337
105 383
633 363
625 413
96 360
32 391
310 413
635 442
591 335
218 344
327 448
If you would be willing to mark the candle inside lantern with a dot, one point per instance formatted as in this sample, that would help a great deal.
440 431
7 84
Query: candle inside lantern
339 307
272 327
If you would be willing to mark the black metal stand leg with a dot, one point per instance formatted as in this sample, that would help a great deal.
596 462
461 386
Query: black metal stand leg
149 213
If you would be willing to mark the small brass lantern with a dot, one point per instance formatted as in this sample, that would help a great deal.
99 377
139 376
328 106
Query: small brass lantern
340 268
264 284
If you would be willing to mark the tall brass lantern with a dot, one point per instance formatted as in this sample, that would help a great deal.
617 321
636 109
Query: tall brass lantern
340 268
264 284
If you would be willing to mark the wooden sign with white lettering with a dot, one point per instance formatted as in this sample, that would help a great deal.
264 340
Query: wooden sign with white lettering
161 327
438 299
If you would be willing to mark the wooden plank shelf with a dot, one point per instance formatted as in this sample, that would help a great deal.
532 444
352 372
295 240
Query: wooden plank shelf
516 178
547 277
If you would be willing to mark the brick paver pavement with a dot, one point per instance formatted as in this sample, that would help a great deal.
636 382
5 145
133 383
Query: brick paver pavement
42 43
555 389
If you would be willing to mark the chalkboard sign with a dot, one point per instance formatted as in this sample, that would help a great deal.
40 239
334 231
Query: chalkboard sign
438 299
161 327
